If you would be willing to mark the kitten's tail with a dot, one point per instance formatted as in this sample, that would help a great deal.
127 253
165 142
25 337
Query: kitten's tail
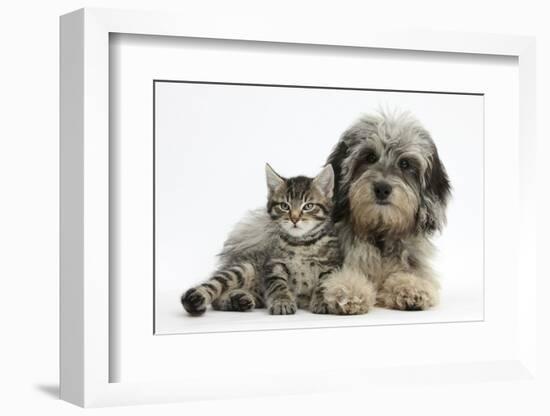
243 251
224 280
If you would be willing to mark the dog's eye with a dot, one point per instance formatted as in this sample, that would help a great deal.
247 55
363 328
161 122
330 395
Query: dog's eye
371 158
404 164
284 206
308 207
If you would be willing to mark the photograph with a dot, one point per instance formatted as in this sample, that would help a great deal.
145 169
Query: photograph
303 206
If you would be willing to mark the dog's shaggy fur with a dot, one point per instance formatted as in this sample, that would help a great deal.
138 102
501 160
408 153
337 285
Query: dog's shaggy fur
390 197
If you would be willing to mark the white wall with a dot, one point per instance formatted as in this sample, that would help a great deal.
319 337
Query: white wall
29 177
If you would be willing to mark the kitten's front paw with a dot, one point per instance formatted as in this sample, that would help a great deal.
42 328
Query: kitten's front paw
194 302
322 307
283 307
318 302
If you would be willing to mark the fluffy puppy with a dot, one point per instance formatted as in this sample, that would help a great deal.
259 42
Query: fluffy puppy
390 197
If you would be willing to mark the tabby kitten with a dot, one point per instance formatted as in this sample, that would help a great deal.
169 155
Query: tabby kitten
276 257
306 250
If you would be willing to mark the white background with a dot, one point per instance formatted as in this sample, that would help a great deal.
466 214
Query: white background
211 145
29 213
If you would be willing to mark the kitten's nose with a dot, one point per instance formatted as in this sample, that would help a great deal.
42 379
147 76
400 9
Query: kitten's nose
294 218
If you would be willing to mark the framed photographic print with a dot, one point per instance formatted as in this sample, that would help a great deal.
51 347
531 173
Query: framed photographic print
187 145
226 193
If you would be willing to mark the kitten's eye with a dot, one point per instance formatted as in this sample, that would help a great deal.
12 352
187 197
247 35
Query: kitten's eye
372 158
404 164
284 206
308 207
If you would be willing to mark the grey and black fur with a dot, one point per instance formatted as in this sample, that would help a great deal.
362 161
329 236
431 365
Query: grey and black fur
277 256
391 193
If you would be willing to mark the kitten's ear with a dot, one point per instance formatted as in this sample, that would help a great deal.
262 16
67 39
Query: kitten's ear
325 181
273 179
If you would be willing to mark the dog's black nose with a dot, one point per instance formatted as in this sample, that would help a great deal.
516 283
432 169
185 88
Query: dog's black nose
382 190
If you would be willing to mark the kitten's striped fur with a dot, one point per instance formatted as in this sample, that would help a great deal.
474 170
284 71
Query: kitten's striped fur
277 257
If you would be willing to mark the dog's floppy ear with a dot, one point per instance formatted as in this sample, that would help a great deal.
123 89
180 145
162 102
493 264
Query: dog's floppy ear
341 202
437 191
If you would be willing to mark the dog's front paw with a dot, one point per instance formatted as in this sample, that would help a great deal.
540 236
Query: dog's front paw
194 302
347 302
283 306
346 292
407 292
342 299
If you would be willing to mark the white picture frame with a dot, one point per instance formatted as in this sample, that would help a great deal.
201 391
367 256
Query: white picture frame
86 356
